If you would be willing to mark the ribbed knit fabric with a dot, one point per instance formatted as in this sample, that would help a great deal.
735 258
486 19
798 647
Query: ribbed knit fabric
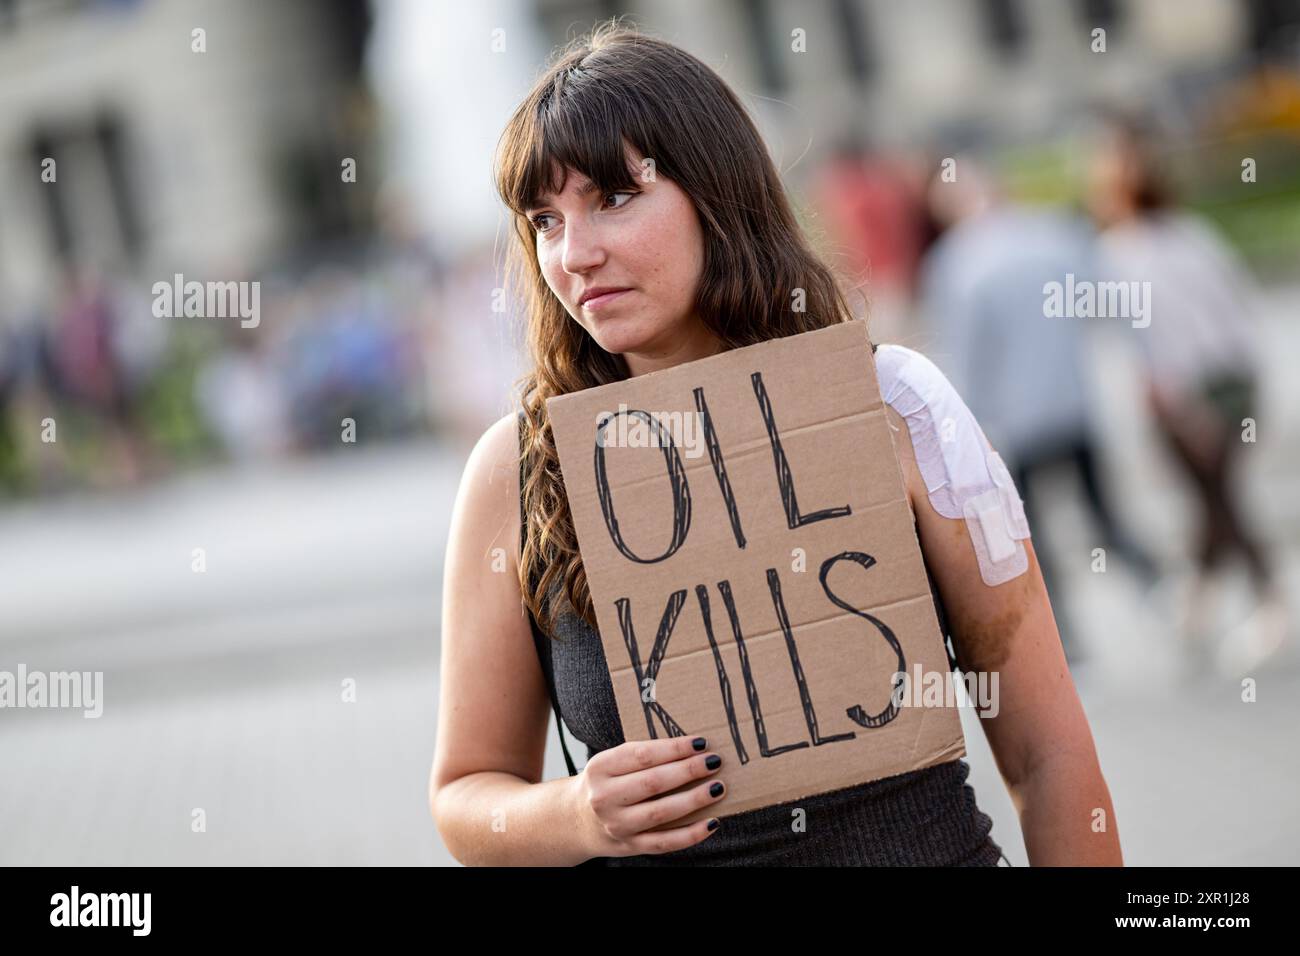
925 817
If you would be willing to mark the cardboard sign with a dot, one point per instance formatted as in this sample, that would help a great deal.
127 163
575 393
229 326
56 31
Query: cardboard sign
755 568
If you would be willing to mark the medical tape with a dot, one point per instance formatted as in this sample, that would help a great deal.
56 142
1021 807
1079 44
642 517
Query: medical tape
964 477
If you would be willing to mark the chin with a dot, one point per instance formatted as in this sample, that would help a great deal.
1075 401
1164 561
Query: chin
621 335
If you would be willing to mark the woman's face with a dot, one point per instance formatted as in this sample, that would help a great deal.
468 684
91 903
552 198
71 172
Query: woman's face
648 242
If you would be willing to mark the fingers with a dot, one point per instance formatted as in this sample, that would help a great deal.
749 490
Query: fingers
643 784
637 755
655 813
678 838
634 788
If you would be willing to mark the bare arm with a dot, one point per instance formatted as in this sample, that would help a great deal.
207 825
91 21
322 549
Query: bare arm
1040 735
485 792
484 789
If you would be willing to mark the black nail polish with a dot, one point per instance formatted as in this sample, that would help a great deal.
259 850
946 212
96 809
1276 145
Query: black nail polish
699 743
713 823
715 790
713 761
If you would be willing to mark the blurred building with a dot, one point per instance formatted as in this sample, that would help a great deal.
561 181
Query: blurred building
167 158
881 72
171 159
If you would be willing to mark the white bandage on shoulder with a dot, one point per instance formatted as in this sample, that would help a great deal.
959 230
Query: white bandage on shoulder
963 476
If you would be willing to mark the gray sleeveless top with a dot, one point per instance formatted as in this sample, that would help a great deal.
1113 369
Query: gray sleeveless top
925 817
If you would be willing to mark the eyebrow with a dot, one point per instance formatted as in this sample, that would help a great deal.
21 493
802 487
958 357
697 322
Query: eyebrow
586 188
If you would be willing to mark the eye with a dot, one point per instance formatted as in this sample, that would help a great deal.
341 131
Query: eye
537 221
627 193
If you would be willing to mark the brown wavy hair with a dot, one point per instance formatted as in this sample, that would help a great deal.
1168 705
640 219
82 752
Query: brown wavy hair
602 91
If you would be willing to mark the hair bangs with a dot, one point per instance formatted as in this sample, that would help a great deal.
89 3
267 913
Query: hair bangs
576 127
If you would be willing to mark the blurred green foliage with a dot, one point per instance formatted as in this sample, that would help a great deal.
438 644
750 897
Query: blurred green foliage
1261 219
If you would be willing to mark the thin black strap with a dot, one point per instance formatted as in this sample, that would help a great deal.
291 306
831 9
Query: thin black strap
540 640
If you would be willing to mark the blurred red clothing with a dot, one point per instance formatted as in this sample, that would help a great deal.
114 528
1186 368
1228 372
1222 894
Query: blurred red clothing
873 217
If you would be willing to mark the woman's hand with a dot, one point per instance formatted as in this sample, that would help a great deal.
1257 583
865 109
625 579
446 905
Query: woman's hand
618 796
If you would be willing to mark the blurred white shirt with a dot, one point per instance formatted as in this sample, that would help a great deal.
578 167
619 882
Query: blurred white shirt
1202 299
1021 373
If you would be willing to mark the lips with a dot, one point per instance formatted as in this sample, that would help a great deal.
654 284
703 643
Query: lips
597 301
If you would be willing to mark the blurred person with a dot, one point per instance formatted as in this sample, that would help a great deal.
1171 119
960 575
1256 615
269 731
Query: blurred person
346 358
469 350
872 211
28 462
1200 353
11 470
1021 371
241 397
82 353
637 275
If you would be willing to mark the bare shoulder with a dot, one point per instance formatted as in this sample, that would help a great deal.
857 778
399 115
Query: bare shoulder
487 502
496 453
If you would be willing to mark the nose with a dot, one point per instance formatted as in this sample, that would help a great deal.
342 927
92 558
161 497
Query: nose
583 247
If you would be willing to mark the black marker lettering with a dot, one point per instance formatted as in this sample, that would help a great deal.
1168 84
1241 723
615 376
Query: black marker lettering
856 713
724 683
784 477
805 697
676 476
720 468
751 690
651 670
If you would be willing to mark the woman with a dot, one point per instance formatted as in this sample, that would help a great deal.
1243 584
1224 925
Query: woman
653 229
1201 361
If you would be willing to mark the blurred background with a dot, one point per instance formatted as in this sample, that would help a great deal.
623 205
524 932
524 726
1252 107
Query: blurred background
185 507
